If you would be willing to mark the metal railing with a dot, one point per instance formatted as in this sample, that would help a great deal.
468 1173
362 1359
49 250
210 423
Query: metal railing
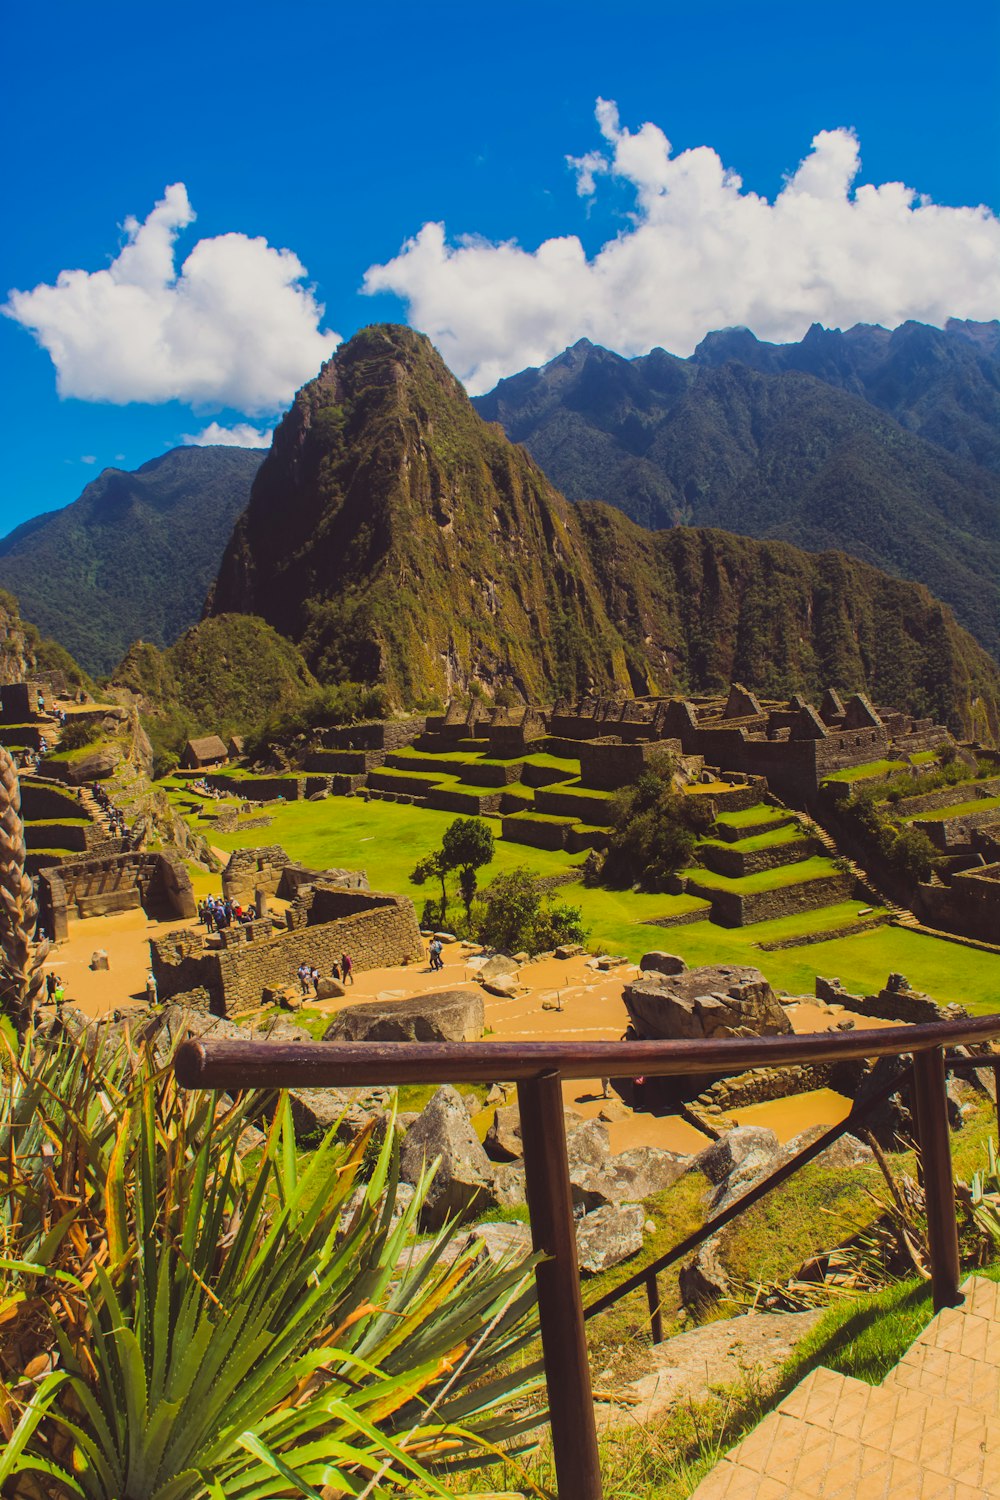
539 1069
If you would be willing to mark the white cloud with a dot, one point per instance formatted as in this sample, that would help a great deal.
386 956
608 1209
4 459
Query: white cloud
242 435
236 327
89 458
700 253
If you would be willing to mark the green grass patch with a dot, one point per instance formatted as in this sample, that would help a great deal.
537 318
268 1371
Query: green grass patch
817 867
775 838
957 810
749 817
869 769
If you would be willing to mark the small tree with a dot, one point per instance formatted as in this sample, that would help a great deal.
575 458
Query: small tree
20 968
655 830
466 847
432 867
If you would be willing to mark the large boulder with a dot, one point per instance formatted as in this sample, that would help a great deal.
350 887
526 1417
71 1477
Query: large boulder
466 1183
737 1161
714 1002
441 1016
608 1236
628 1177
315 1111
497 967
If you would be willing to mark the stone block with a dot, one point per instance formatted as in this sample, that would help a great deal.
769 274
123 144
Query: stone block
329 989
465 1182
658 962
608 1236
441 1016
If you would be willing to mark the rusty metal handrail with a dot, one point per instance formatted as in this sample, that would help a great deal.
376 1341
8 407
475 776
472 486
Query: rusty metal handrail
539 1069
207 1064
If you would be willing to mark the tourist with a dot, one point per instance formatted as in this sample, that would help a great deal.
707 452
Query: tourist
51 980
335 971
151 990
59 994
314 975
305 975
347 968
436 960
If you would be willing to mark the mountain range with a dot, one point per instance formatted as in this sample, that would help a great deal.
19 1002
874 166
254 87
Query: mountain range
883 444
133 557
397 537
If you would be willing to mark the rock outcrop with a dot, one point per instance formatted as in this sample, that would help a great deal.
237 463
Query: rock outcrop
714 1002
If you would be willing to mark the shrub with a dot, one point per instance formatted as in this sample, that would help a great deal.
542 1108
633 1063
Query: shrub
655 829
513 915
78 733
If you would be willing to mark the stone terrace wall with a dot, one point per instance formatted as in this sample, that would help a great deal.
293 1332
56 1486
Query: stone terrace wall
383 734
230 981
739 909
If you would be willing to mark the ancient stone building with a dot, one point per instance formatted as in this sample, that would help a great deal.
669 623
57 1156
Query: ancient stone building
228 973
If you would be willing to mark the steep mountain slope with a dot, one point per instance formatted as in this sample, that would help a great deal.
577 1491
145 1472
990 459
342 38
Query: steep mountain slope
741 437
24 653
133 556
399 538
224 676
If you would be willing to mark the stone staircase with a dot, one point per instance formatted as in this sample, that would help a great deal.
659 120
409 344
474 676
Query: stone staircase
930 1431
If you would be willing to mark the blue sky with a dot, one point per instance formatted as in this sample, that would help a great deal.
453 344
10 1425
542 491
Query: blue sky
338 134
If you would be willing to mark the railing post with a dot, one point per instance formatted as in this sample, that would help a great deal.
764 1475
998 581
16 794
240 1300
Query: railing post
655 1311
939 1186
560 1304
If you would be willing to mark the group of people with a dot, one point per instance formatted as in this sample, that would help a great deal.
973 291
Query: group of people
216 913
117 825
435 951
55 990
309 975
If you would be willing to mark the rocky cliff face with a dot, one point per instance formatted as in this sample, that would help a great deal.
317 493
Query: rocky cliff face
885 445
397 537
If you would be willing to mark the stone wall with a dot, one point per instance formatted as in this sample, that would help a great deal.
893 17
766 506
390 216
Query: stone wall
381 734
39 800
114 882
257 788
252 870
969 905
609 763
735 863
732 909
230 981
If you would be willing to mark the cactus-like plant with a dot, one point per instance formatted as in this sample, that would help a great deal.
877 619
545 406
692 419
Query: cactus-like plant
20 958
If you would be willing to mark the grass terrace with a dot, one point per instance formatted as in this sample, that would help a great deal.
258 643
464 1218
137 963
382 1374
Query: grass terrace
956 810
751 817
777 838
870 769
817 867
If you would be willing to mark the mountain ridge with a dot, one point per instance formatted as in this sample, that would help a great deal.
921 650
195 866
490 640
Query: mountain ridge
397 537
103 571
740 436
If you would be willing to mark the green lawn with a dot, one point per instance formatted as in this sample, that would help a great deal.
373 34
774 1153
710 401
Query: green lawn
387 839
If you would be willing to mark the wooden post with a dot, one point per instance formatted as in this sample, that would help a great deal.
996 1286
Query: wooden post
560 1304
655 1311
939 1185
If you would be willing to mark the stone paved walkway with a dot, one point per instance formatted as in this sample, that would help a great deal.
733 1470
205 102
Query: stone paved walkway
930 1431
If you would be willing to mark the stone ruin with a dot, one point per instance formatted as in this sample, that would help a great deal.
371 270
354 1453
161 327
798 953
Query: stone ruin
158 882
712 1003
227 974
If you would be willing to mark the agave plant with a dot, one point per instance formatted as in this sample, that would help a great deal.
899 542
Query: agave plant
249 1331
984 1197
